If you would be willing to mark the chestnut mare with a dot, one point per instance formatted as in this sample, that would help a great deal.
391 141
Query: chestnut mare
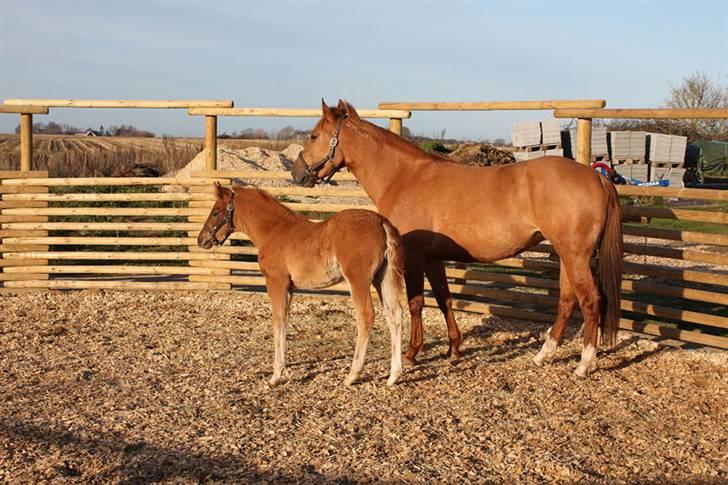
448 211
358 246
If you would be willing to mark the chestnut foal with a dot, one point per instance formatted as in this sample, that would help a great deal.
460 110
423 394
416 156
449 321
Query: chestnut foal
355 245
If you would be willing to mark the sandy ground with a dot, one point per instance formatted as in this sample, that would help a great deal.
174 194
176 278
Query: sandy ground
126 387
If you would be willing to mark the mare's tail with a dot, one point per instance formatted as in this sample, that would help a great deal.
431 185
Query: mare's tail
609 266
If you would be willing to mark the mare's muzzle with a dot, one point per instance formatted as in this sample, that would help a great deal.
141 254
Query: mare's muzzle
302 173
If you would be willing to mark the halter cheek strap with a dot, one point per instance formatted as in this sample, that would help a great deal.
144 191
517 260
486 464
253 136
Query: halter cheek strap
227 221
313 169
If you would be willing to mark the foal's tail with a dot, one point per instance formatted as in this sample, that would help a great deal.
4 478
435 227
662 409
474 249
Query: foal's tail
393 267
609 266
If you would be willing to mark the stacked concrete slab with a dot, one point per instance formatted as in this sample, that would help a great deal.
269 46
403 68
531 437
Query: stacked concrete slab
526 133
535 139
599 148
666 149
627 146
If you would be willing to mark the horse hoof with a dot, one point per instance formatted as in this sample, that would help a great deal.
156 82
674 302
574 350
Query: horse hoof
454 356
538 360
410 361
581 373
350 380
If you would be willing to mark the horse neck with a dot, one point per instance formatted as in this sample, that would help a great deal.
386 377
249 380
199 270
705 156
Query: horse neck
261 216
375 169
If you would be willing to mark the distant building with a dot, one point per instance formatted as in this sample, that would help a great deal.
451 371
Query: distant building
88 132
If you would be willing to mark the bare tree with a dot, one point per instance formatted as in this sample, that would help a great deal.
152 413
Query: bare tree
697 91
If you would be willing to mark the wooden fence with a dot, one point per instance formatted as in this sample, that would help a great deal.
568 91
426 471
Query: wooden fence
140 233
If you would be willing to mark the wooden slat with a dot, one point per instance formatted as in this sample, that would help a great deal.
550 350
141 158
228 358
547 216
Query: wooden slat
7 276
294 112
110 284
12 204
643 114
119 197
19 174
6 263
117 256
105 181
674 333
675 235
676 273
121 103
699 194
32 110
104 226
127 270
105 211
16 189
255 174
103 241
492 105
686 215
677 253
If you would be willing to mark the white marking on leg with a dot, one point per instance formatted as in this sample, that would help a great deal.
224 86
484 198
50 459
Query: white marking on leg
547 352
394 320
588 361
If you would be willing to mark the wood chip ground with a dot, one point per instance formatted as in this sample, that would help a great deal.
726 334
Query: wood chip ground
102 386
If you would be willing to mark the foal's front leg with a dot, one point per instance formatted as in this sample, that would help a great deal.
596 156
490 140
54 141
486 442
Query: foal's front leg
280 298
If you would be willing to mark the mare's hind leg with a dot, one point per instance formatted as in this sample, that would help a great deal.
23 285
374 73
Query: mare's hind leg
435 272
414 279
362 298
581 278
280 298
567 304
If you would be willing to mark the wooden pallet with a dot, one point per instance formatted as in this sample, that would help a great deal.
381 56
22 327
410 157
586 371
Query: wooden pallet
536 148
667 164
630 161
600 158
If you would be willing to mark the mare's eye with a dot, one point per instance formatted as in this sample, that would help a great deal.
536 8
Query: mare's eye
313 136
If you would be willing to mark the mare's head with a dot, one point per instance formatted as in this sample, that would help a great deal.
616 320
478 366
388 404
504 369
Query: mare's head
322 155
219 224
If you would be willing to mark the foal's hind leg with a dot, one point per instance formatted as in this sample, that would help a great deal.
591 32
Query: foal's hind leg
415 282
389 296
280 298
362 298
435 272
567 304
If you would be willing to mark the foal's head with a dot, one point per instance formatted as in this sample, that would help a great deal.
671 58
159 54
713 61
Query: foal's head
321 156
219 224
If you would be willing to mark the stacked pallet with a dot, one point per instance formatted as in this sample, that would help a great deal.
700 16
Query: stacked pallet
534 139
526 133
627 146
667 149
599 150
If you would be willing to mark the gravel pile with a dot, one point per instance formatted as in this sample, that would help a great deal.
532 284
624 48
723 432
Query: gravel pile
171 387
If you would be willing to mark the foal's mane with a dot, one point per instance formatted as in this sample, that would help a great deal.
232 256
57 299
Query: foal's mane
272 204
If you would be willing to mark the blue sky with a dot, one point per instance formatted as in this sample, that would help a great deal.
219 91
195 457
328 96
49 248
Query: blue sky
290 54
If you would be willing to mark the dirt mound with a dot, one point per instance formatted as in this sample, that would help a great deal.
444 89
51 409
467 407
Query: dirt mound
481 155
247 159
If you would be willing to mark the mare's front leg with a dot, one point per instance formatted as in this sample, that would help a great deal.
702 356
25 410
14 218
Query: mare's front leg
280 298
437 277
414 279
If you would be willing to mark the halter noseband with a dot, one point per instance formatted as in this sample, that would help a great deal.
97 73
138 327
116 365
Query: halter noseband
228 220
312 169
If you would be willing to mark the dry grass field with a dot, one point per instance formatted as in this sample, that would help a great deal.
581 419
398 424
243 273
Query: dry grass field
80 156
172 387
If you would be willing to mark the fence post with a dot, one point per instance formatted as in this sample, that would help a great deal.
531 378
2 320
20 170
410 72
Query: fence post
210 142
395 126
583 145
26 141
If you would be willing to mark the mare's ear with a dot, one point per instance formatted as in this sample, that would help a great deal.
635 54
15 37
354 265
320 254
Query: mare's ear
351 112
219 190
328 114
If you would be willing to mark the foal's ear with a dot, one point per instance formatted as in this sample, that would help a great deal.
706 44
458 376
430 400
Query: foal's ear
219 190
351 112
328 114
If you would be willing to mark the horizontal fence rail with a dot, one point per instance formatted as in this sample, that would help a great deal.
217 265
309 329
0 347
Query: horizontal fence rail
140 233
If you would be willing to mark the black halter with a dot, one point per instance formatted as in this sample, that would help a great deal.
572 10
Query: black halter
228 220
313 169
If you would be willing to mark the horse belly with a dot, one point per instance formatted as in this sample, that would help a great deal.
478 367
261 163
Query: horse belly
319 276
